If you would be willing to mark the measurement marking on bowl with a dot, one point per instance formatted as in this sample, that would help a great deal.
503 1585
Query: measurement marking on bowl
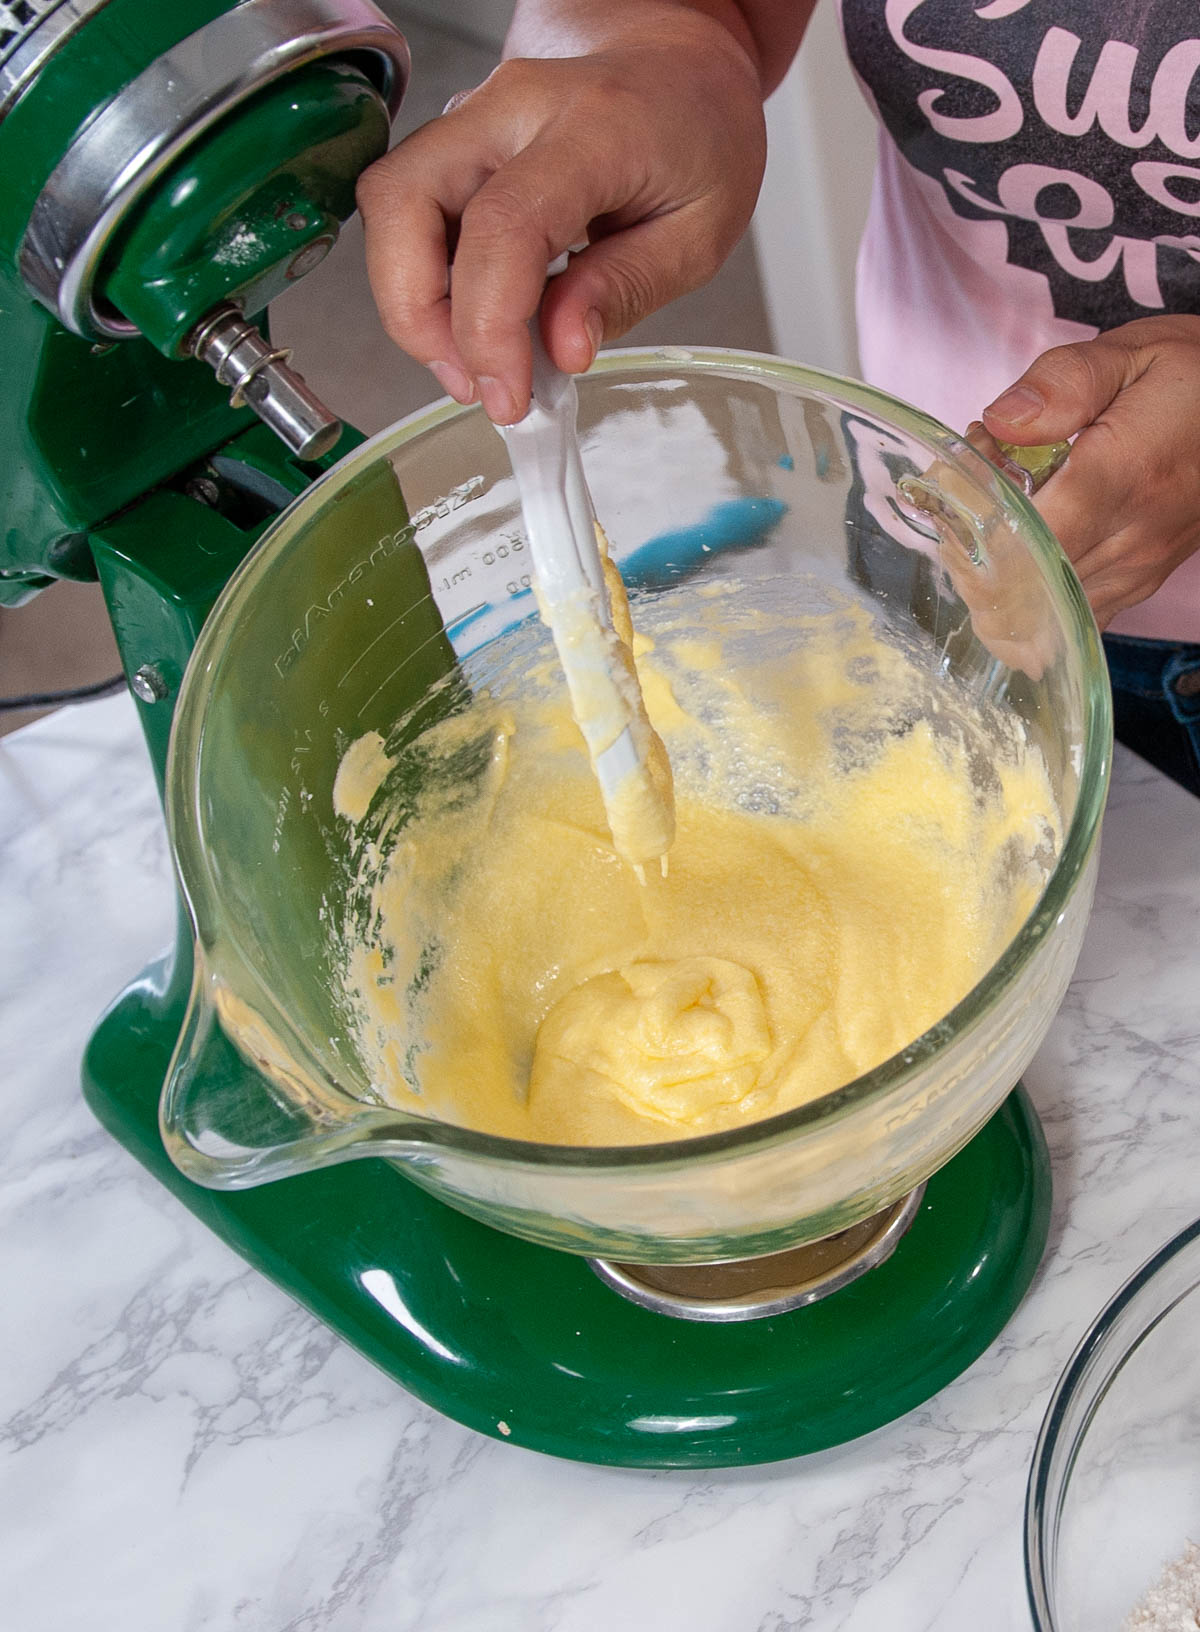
388 678
371 644
385 546
301 744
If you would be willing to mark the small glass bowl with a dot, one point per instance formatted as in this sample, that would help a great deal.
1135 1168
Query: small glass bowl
1114 1491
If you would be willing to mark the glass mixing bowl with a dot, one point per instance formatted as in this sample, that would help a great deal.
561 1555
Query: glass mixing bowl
1114 1492
357 601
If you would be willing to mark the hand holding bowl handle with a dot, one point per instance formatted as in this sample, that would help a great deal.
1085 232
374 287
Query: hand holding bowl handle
989 565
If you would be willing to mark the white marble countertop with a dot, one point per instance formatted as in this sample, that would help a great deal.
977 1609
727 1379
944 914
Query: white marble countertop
184 1448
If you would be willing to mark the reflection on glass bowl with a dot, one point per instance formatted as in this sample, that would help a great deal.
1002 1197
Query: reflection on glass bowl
1114 1491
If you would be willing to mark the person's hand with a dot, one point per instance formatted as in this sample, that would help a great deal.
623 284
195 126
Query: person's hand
1126 505
649 149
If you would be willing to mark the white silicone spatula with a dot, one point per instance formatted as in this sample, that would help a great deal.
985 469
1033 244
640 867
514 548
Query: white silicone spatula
573 597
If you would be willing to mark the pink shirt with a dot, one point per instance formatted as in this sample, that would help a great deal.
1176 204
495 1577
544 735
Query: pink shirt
1038 181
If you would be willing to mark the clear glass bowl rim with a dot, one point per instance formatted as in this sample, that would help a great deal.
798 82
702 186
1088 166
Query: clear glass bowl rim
187 732
1042 1518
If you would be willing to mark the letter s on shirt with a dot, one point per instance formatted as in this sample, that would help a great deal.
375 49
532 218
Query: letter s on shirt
999 125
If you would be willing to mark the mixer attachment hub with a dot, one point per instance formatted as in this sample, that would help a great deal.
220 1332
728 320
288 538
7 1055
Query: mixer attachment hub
258 376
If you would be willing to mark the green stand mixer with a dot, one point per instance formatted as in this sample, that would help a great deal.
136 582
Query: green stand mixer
731 1299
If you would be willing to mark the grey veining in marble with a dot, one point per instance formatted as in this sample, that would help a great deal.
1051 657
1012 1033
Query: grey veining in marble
183 1448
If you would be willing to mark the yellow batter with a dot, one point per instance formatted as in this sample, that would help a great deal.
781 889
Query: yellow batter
851 854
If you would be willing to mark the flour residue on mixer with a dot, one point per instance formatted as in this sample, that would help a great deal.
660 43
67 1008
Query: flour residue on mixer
856 843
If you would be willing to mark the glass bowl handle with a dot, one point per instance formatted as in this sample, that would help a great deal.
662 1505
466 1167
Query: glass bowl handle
1029 468
991 569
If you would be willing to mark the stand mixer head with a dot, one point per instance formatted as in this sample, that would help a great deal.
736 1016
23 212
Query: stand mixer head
170 169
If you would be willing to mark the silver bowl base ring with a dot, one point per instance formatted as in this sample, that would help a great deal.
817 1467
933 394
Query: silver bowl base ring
753 1288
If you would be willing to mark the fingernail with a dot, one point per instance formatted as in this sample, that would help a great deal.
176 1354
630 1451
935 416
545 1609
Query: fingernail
1017 406
594 325
497 400
454 381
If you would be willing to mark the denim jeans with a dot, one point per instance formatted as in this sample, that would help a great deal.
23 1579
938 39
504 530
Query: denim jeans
1156 702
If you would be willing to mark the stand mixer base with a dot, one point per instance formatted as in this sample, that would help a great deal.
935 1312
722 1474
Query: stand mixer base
527 1344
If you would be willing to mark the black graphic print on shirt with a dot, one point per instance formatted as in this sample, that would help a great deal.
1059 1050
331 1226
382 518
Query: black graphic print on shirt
1075 122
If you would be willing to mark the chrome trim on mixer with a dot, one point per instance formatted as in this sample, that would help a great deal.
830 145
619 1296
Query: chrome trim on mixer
115 159
781 1288
26 46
